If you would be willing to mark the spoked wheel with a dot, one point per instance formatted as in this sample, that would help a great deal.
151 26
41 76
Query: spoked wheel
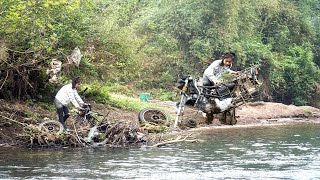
51 126
154 115
230 117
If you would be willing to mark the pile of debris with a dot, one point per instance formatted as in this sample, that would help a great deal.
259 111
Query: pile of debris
118 134
42 132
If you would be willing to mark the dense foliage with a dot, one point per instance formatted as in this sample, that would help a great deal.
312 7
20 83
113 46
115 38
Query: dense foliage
147 44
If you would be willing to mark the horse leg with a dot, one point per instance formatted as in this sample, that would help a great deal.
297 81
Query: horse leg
209 118
230 117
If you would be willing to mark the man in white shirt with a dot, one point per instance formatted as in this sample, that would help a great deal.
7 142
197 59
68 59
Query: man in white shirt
213 73
68 93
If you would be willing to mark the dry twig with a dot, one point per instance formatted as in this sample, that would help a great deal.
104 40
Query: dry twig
177 140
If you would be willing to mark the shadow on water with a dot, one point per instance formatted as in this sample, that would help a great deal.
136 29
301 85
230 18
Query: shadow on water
274 152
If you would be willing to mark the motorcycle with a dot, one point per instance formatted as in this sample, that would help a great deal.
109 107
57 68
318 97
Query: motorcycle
220 98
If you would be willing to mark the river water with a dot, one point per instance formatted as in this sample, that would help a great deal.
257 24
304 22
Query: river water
268 152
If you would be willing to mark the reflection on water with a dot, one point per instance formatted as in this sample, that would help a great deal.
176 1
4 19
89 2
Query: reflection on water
278 152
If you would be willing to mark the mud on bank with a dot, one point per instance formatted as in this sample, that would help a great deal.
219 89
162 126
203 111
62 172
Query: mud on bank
251 114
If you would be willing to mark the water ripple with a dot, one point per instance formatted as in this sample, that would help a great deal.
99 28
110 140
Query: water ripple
262 153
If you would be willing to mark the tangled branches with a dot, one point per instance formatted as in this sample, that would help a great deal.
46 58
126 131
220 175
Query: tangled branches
114 135
105 134
25 74
19 72
118 135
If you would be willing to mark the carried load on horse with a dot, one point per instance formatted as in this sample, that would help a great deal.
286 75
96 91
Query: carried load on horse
219 98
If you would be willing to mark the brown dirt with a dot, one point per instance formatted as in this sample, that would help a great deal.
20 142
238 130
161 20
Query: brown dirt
260 111
255 113
251 113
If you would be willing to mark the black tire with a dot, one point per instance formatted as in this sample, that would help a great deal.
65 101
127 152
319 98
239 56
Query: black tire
51 126
191 123
230 117
154 115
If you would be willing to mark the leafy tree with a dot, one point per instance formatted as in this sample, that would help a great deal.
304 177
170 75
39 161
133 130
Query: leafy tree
147 44
33 32
295 81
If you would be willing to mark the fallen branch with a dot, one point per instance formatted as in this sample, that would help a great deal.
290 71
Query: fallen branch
5 79
12 120
77 136
177 140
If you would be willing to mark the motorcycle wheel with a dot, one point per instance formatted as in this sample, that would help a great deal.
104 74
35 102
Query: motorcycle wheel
51 126
230 117
154 115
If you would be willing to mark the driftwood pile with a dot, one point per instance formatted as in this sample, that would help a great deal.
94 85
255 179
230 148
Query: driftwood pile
118 134
23 130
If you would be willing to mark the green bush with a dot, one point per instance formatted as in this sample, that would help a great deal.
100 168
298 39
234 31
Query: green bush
97 93
296 75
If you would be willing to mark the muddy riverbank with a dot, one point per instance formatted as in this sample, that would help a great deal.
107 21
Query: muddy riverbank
248 115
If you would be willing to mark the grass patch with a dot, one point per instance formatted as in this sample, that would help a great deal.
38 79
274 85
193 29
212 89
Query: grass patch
128 103
164 95
96 92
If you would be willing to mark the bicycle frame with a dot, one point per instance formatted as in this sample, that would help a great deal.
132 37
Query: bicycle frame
86 114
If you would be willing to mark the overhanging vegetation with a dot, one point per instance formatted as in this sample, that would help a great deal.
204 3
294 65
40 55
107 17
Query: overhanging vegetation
146 45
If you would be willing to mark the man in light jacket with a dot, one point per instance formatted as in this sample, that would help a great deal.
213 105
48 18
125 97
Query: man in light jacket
213 73
68 93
